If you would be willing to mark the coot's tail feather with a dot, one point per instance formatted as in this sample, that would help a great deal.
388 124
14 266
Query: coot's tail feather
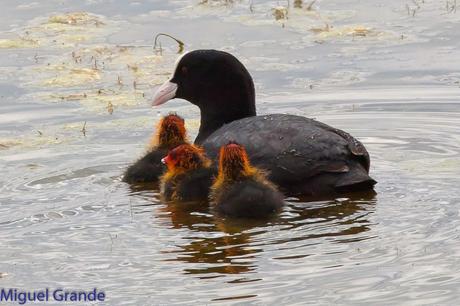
357 179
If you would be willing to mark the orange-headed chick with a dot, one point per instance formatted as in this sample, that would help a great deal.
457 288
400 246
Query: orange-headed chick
189 175
241 190
170 134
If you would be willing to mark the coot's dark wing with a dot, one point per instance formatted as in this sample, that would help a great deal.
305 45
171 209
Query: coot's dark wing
355 146
292 148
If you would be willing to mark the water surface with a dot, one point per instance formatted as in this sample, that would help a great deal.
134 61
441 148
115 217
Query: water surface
387 73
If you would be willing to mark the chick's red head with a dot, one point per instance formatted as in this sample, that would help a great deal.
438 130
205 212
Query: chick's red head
234 161
171 131
185 157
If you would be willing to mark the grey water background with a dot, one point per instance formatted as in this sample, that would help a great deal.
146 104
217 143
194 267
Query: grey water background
387 72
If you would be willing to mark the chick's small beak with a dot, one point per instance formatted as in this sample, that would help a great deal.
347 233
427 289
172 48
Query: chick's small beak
164 160
164 93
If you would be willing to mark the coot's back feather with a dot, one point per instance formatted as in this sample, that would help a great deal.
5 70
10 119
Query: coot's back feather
295 150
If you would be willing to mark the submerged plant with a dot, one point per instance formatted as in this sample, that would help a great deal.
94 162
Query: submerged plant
157 45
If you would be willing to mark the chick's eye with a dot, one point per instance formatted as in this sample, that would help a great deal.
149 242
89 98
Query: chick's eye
184 70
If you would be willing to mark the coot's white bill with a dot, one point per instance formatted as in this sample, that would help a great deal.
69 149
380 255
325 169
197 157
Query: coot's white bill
166 92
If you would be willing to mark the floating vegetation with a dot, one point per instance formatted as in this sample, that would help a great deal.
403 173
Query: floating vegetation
17 43
298 3
329 31
216 2
101 100
280 13
110 108
74 77
8 143
64 30
36 140
123 61
296 15
101 89
73 97
101 77
326 28
77 18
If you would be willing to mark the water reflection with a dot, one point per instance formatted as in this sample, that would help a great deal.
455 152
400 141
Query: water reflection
216 246
219 246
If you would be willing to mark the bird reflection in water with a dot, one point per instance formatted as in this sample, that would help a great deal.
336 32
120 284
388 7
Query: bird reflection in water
219 246
225 249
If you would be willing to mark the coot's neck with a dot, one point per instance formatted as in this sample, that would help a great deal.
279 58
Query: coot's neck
211 122
230 105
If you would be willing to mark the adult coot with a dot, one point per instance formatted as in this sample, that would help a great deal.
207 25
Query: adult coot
241 190
171 133
189 174
303 156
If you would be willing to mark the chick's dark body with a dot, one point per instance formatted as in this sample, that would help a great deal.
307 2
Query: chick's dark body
147 169
189 186
247 199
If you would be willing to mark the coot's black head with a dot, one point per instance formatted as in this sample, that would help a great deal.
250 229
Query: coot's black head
206 78
215 81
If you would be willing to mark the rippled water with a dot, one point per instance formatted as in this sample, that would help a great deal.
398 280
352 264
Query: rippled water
387 73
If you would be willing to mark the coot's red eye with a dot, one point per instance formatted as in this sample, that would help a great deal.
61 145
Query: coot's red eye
184 70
